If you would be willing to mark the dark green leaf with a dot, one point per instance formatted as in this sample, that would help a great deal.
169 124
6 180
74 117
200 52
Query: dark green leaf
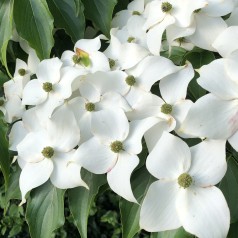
6 11
228 185
34 23
141 181
178 233
81 200
4 153
233 231
100 13
13 191
3 78
45 210
69 16
177 55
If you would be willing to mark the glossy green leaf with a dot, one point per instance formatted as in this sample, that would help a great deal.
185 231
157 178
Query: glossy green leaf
6 13
69 15
228 186
4 153
34 23
100 13
81 200
141 181
45 210
178 233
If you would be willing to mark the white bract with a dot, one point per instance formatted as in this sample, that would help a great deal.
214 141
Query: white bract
185 194
114 148
48 153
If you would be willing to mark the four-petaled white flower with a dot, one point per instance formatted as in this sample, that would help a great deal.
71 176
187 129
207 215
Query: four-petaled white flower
185 194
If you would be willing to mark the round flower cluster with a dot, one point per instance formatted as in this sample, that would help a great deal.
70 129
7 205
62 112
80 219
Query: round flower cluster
91 109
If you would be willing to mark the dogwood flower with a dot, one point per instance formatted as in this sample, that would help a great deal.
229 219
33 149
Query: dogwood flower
185 194
48 153
114 148
52 86
86 56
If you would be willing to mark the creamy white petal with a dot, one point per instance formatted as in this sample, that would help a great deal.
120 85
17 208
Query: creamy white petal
32 61
95 157
208 165
33 175
109 81
33 93
152 69
31 146
119 176
89 45
174 86
110 125
207 30
211 117
133 144
49 70
233 19
121 18
180 111
18 132
153 135
225 43
204 212
169 152
214 78
154 35
158 211
148 105
113 100
62 129
89 92
66 173
99 62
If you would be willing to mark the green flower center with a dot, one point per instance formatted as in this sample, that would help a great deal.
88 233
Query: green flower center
136 13
130 39
130 80
90 106
48 152
76 59
180 39
166 7
22 72
116 146
166 108
185 180
47 87
1 102
112 63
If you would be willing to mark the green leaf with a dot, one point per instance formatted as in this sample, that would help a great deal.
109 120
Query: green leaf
227 185
178 233
6 12
233 231
45 210
34 23
81 200
69 15
100 13
13 191
141 181
3 78
4 153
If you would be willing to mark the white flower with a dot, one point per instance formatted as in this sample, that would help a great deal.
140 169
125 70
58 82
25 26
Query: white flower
215 114
48 152
86 56
52 86
123 55
114 148
185 194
